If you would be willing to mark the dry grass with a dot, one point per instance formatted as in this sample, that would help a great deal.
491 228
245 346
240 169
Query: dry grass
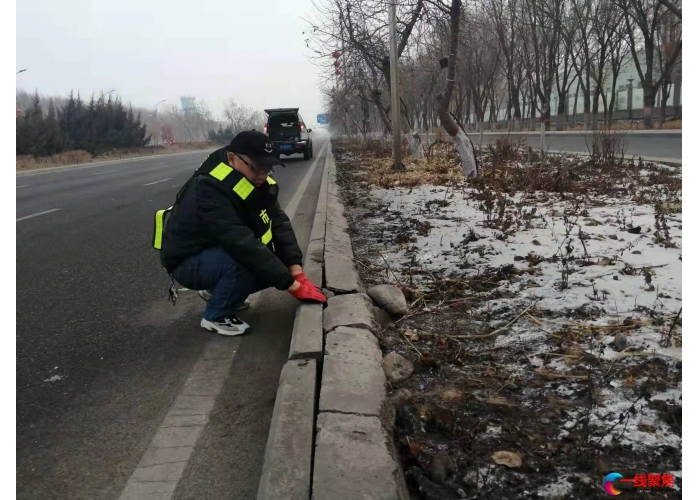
374 165
24 163
509 166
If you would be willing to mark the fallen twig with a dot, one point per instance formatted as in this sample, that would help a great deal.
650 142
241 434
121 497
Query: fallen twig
545 373
625 354
495 332
389 268
670 330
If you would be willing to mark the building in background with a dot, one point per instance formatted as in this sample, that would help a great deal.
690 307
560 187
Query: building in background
188 104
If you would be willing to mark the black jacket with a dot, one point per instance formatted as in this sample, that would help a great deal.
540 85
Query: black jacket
209 213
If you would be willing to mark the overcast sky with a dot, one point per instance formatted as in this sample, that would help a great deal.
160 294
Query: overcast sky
149 50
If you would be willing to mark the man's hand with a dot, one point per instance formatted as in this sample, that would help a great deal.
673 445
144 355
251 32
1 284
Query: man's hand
306 292
301 278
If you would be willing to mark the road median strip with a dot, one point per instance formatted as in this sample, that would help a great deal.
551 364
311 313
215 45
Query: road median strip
344 448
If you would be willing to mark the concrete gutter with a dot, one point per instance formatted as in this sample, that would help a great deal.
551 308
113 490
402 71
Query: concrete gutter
287 467
337 444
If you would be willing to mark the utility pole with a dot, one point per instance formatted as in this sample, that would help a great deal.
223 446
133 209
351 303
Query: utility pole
394 74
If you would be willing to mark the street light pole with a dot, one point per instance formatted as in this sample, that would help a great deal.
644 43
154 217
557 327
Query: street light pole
394 74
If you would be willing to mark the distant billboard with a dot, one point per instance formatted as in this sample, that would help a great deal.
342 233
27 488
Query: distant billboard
322 119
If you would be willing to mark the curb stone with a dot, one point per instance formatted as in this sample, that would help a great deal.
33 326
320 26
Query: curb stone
286 471
287 466
341 275
353 461
353 310
353 380
354 455
331 431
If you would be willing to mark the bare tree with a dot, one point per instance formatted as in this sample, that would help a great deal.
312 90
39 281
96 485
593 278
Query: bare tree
669 4
544 19
583 64
241 117
619 53
463 144
667 36
643 19
504 16
360 27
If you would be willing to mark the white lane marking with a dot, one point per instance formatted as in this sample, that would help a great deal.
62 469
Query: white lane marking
293 204
156 182
158 164
103 173
170 449
23 186
37 215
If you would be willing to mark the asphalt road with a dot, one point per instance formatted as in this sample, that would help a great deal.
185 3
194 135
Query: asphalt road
101 354
653 144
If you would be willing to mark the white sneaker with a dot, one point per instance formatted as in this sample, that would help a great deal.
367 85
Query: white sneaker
206 295
230 327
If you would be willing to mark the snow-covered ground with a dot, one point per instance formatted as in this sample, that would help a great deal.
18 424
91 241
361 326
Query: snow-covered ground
607 271
585 287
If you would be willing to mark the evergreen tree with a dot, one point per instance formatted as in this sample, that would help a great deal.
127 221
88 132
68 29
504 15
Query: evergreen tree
52 139
96 127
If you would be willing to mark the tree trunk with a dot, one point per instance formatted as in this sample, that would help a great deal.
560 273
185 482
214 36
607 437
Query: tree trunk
546 115
594 115
613 100
561 111
573 114
376 99
464 146
665 92
649 97
586 110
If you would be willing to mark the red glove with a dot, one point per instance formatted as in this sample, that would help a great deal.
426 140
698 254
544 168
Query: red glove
301 278
307 292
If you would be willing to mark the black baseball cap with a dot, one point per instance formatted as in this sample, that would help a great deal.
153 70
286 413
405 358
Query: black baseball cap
255 145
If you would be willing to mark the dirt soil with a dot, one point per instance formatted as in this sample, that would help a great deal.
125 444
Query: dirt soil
516 343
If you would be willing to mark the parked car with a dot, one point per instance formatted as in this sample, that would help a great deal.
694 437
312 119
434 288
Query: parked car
288 133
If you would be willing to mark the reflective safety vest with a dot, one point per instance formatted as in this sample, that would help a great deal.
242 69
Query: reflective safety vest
243 188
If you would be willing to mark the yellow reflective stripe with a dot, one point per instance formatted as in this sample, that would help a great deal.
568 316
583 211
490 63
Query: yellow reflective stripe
271 181
221 171
158 234
243 188
267 236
